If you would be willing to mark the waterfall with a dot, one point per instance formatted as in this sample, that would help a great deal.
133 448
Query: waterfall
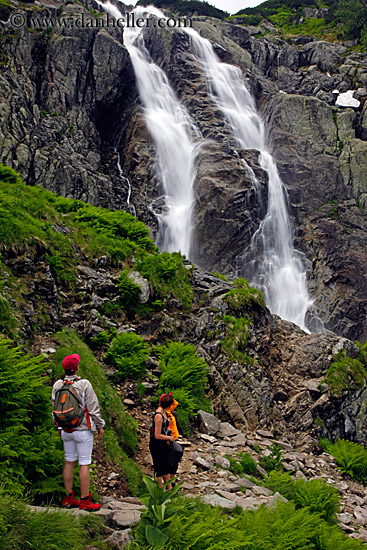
278 269
172 132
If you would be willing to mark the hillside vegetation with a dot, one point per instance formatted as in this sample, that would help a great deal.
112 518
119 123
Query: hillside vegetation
329 19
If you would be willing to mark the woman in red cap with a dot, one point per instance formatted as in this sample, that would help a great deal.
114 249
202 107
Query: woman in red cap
78 442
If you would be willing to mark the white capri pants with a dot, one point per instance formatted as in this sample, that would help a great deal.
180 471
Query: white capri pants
78 445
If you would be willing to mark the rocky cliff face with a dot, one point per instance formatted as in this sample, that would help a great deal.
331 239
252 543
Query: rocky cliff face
69 107
66 100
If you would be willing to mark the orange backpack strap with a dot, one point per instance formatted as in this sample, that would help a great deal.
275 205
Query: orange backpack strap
89 424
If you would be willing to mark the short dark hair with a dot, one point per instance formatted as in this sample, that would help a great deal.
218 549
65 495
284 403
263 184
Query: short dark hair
70 372
166 401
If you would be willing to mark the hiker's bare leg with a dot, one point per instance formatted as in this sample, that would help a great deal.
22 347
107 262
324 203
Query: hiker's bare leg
166 478
160 481
84 480
68 476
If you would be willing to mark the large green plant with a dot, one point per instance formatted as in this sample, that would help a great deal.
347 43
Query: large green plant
31 456
154 527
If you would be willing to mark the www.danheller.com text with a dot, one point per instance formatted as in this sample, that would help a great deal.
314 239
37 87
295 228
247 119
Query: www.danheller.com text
82 20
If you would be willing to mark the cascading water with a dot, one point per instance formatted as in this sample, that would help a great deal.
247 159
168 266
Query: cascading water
278 268
172 131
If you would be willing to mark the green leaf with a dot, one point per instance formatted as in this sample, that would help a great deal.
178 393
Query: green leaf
155 536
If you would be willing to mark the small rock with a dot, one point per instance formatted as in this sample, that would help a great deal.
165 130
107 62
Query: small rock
261 491
129 402
283 444
275 499
345 518
222 461
126 518
216 500
240 439
202 463
230 487
265 433
119 539
244 482
227 430
261 470
208 438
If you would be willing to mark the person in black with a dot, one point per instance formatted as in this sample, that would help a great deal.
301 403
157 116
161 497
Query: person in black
160 437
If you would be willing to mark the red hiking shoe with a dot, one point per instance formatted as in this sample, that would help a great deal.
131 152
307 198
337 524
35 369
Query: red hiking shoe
89 504
70 501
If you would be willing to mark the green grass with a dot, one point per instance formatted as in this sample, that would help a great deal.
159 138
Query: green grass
31 456
36 221
244 464
235 341
167 276
316 495
346 373
22 529
243 298
120 437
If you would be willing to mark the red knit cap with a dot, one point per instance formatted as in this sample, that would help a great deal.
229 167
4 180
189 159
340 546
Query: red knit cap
71 361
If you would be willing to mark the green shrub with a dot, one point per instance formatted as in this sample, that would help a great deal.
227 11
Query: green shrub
280 482
316 495
344 373
185 374
167 276
243 298
120 429
130 291
350 457
128 353
245 464
22 529
274 460
31 456
235 341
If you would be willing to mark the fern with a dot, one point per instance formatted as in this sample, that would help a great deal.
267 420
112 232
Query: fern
128 353
30 449
185 374
349 456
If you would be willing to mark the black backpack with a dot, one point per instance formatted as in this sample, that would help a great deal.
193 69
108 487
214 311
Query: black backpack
68 411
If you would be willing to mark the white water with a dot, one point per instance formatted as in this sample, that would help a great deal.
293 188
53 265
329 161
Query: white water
279 270
172 133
